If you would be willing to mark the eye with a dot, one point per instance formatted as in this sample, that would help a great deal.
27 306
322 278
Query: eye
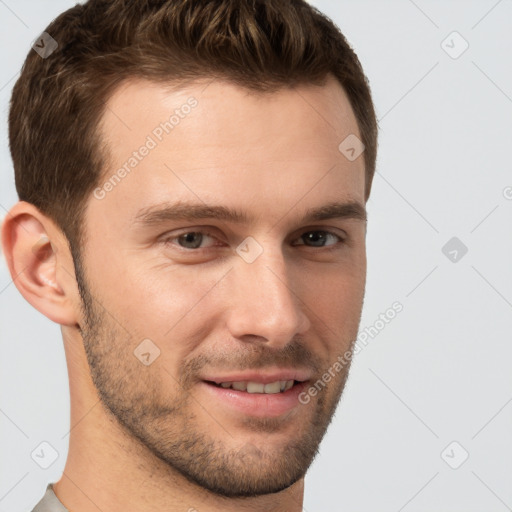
319 237
193 240
189 239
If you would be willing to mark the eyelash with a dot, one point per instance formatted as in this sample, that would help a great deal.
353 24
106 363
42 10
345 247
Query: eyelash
335 246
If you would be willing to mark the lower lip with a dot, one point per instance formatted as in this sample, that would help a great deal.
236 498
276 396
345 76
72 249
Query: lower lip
261 405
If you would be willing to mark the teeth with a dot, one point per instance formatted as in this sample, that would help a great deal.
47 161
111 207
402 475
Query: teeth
273 387
278 386
289 384
255 387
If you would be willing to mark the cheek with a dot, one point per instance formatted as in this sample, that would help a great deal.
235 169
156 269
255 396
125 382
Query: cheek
334 300
168 304
338 300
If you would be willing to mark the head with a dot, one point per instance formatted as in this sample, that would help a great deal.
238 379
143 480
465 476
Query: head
187 162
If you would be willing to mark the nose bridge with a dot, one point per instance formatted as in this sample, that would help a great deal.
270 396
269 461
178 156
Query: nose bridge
264 302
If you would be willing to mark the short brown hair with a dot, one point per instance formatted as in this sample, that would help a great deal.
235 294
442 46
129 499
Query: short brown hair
58 101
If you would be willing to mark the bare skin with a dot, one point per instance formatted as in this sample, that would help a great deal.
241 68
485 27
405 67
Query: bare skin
161 436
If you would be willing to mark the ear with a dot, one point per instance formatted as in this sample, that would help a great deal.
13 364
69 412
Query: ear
40 263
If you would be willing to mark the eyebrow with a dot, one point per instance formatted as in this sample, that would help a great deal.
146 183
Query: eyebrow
182 210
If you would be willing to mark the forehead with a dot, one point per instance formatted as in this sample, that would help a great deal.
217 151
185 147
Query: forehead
240 112
213 140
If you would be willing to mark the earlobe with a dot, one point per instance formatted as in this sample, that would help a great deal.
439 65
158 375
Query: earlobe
34 249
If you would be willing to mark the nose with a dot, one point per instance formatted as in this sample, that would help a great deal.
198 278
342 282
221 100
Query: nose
264 306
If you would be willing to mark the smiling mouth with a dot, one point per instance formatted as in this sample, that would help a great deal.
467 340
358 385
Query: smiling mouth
279 386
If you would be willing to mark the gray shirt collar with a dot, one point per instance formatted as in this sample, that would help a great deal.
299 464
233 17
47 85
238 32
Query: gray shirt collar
49 502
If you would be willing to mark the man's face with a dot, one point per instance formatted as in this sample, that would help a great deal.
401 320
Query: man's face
178 307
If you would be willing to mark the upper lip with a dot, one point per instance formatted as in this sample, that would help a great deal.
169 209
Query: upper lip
297 374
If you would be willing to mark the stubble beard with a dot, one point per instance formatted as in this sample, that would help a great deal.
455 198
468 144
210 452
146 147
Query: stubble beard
168 428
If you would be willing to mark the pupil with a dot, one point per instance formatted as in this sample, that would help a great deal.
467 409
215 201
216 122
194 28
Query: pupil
314 236
189 237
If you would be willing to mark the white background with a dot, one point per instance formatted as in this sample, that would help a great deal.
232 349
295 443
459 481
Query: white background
440 371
